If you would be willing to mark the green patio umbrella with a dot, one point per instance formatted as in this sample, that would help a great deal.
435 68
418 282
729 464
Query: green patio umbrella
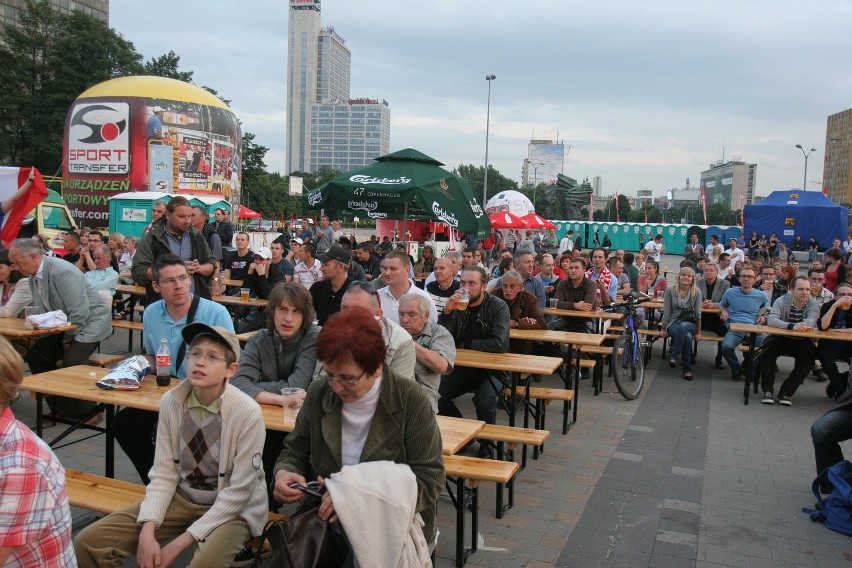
404 185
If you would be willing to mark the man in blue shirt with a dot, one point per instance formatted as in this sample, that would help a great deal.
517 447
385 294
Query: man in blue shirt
599 271
743 304
154 127
135 429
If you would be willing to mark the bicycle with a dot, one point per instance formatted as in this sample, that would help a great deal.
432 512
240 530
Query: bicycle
627 362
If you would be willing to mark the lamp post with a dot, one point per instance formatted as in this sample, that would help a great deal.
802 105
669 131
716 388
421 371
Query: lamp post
488 78
535 178
805 182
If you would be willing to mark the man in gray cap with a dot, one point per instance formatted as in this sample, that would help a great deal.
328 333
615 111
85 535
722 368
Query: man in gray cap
328 292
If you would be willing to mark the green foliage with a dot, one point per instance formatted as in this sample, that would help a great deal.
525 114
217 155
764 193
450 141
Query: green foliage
497 182
167 66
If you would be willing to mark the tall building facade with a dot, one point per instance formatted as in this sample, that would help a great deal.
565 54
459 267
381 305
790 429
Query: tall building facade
837 169
11 10
544 162
730 182
325 126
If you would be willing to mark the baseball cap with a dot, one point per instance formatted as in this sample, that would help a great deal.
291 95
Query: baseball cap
196 329
158 109
264 252
335 252
296 240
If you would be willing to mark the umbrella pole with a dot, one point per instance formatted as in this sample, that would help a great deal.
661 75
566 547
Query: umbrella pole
405 224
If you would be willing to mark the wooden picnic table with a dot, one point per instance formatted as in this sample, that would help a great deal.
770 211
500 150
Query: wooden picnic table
15 328
130 289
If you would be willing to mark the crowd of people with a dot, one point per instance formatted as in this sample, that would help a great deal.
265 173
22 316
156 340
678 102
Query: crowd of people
371 336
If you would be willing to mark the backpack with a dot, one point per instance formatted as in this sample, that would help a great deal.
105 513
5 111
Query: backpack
836 510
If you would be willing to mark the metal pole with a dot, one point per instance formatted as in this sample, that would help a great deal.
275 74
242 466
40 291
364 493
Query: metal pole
488 78
805 154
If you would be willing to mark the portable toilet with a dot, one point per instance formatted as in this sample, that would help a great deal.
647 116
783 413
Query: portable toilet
716 230
210 203
732 232
130 213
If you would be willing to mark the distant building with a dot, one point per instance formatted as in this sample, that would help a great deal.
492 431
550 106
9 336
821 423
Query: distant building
729 182
544 162
597 185
643 196
11 10
837 169
325 126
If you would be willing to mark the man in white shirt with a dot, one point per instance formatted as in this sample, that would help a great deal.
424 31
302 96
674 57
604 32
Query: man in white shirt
714 249
655 248
736 253
567 243
395 267
308 270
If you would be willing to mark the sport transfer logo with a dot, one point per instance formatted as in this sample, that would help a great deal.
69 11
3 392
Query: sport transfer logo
104 123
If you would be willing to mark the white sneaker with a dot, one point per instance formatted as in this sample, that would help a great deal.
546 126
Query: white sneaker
767 398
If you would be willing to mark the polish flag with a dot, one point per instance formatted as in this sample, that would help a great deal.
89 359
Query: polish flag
12 180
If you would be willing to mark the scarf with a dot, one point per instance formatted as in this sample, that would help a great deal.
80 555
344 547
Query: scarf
604 278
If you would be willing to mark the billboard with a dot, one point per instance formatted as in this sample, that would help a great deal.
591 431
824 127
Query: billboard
546 162
718 189
147 134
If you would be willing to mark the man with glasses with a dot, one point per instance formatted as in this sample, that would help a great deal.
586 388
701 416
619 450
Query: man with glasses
482 326
836 316
327 294
164 319
742 304
770 286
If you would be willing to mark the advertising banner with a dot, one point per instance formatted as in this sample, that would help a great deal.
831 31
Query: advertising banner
718 188
161 168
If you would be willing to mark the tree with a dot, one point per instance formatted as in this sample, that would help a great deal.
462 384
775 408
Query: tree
167 66
47 63
475 177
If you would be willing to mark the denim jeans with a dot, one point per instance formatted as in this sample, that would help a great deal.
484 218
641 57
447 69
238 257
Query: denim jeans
827 433
681 334
732 340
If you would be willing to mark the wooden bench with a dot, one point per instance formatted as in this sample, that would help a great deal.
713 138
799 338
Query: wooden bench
131 326
543 396
104 359
467 473
505 439
105 495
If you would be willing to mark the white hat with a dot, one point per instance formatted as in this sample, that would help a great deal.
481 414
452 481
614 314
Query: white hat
158 109
264 252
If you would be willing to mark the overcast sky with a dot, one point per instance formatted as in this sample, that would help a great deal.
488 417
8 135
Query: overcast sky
646 94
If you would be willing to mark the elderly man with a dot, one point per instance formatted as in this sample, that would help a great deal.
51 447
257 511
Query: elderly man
400 357
164 319
434 347
455 258
395 270
57 286
444 285
483 326
796 311
327 294
103 278
524 264
712 289
174 234
523 310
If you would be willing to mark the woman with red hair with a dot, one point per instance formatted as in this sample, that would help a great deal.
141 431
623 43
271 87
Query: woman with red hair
359 412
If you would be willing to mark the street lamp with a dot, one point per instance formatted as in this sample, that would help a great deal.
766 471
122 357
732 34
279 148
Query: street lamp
805 183
535 177
488 78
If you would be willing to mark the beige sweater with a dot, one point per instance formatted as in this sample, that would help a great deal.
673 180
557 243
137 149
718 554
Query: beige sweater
241 483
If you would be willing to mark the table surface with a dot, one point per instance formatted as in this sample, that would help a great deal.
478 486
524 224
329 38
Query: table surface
579 314
16 328
512 362
237 301
567 337
131 289
75 382
813 334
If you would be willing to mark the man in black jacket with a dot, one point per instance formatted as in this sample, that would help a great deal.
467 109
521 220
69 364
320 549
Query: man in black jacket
174 234
827 432
482 326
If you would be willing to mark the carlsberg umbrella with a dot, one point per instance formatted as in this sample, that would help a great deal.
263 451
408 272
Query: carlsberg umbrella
404 185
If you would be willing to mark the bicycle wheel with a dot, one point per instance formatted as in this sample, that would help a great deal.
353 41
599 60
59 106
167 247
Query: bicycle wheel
628 371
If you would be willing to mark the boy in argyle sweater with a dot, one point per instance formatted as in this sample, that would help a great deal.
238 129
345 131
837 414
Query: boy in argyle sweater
207 485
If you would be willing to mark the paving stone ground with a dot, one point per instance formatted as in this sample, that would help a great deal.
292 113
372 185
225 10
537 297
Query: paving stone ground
684 476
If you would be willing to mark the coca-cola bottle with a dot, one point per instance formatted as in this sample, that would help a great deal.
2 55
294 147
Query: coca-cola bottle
164 364
598 300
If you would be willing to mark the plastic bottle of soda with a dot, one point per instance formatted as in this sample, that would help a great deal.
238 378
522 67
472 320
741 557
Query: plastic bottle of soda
164 364
598 300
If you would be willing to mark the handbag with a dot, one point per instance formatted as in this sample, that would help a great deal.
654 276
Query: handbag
304 540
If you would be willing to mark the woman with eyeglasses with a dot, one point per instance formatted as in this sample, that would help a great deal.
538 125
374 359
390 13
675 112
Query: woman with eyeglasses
359 412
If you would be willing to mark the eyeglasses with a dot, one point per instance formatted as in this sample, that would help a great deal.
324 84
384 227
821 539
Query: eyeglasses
198 356
174 281
331 379
365 286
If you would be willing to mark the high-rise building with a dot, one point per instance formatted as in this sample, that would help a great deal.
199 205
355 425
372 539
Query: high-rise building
11 10
544 162
325 126
837 171
731 182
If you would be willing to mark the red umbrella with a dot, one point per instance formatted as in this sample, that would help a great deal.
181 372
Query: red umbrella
246 213
537 222
505 220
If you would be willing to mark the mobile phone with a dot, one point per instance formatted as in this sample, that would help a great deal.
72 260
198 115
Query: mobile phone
313 488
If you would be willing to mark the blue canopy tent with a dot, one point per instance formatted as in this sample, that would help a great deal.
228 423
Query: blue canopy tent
796 213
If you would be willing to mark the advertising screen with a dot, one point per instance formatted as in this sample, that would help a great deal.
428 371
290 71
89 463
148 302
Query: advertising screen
546 162
718 189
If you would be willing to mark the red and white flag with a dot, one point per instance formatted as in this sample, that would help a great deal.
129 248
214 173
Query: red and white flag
617 216
742 209
704 204
11 180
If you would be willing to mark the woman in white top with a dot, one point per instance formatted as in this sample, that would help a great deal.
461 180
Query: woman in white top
682 319
15 291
